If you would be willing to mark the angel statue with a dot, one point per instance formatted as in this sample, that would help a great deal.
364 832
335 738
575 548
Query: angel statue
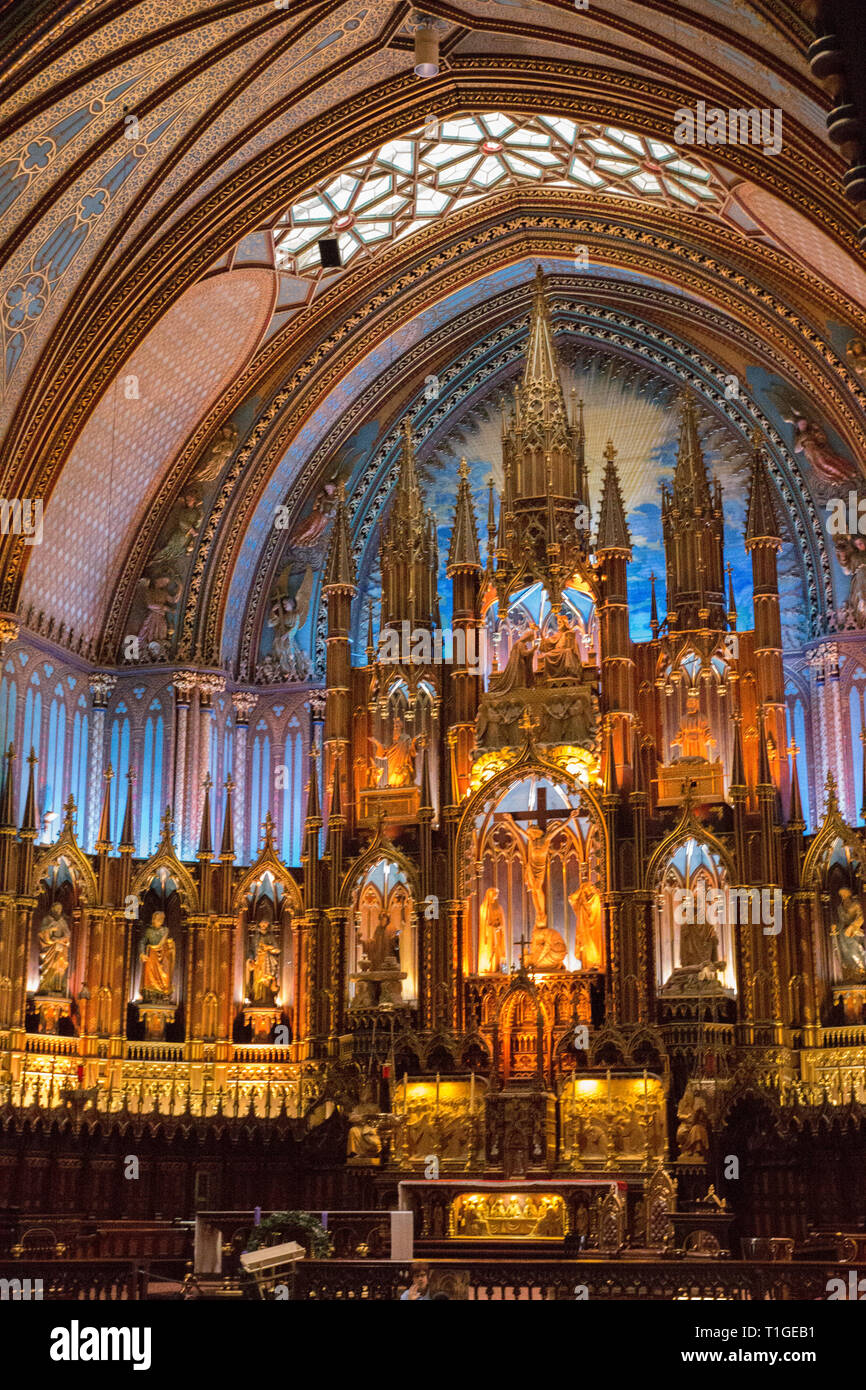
218 454
810 438
287 617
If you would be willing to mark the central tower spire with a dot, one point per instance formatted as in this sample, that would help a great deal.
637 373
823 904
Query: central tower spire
544 515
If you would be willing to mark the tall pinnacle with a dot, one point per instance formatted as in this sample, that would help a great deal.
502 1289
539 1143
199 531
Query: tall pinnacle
761 522
463 552
340 566
691 485
613 531
541 382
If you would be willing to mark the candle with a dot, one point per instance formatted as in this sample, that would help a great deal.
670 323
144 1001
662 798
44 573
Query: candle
608 1085
437 1095
405 1093
644 1094
472 1093
257 1216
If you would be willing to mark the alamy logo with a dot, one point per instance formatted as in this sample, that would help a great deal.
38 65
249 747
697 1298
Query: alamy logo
847 519
735 906
422 646
20 1290
736 126
22 516
77 1343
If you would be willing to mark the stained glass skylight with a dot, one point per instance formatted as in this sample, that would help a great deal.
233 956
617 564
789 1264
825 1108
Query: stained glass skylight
409 183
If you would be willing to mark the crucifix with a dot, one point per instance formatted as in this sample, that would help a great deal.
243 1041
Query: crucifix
522 942
540 815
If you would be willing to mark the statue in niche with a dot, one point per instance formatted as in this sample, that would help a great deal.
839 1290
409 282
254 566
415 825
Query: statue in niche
398 757
157 956
218 455
517 673
382 947
693 1138
263 963
589 937
810 438
160 597
693 736
55 945
287 616
848 934
547 949
851 554
856 355
170 559
699 943
559 654
311 530
491 934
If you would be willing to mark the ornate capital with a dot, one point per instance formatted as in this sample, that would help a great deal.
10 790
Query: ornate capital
244 702
185 683
9 628
209 686
101 685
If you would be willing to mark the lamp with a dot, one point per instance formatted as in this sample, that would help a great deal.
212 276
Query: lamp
426 51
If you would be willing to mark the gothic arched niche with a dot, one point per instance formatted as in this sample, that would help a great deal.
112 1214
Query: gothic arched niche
266 986
382 953
539 878
54 944
842 926
694 934
156 977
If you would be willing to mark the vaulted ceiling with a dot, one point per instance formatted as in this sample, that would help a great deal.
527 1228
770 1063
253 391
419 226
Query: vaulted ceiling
159 176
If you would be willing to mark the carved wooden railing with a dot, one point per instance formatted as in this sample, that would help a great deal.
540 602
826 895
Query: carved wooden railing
542 1280
87 1280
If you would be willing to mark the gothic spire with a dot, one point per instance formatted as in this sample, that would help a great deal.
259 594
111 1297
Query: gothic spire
796 817
611 784
654 612
7 814
103 839
691 486
340 565
613 532
463 552
761 522
738 772
314 807
28 825
335 810
227 847
205 839
732 602
765 777
542 387
127 841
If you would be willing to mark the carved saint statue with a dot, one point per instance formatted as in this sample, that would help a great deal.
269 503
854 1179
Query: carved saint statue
517 673
559 654
287 616
382 946
398 756
160 597
849 936
589 937
693 1139
263 964
55 941
157 954
693 737
219 452
491 934
547 949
